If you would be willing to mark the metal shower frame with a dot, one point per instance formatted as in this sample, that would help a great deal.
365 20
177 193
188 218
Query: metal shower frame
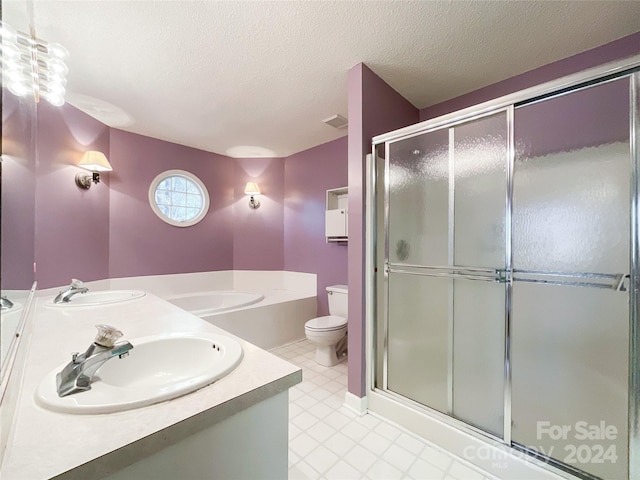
629 67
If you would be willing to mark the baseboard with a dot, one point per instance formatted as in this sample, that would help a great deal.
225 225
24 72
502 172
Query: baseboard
356 404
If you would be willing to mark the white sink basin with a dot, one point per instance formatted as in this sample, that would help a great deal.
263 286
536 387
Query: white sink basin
158 368
94 299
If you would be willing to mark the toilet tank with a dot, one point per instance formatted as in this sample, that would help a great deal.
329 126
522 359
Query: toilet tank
338 304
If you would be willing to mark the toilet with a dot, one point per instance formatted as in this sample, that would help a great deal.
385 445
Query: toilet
329 333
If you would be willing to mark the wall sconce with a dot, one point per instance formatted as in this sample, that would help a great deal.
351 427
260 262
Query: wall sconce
252 189
95 162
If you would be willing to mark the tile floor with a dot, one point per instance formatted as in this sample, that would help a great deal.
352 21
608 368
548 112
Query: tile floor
328 441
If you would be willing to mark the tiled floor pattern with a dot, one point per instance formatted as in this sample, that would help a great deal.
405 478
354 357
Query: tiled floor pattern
327 441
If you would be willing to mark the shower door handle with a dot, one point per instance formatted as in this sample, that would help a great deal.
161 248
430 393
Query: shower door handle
454 272
610 281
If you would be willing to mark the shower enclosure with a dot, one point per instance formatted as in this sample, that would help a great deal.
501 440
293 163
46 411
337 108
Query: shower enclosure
505 296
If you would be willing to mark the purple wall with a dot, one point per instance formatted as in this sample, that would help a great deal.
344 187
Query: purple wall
111 231
258 235
374 108
71 224
307 177
18 191
141 243
616 50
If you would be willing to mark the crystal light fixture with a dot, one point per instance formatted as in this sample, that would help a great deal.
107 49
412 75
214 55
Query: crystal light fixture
33 66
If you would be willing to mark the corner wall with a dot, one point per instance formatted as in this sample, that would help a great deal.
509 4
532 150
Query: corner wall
71 224
18 170
374 108
142 244
258 235
110 231
307 177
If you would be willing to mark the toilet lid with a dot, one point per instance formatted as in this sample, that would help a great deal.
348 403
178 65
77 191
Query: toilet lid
329 322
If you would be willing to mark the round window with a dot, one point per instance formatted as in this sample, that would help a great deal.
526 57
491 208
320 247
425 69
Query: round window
179 198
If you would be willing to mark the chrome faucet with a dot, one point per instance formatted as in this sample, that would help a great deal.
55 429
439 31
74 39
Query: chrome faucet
75 287
5 303
78 374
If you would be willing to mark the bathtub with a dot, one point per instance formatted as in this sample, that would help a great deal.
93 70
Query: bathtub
267 320
207 303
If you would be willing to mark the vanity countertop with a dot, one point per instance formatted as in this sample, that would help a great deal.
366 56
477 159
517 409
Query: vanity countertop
44 444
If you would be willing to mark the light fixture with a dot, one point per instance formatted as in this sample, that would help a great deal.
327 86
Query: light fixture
33 66
95 162
252 189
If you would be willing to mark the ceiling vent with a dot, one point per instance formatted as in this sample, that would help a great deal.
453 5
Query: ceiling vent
336 121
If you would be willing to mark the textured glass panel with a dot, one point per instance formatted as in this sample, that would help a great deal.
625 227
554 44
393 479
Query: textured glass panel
178 214
570 365
179 199
419 199
179 184
571 182
193 188
480 162
418 353
163 197
165 184
478 353
194 201
571 214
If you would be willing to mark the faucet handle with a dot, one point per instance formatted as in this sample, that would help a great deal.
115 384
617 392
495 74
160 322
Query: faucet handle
107 336
75 283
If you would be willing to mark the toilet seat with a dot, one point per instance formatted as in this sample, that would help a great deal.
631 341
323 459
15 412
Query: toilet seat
328 323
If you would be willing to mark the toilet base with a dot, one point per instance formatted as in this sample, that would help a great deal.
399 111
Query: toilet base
330 345
326 356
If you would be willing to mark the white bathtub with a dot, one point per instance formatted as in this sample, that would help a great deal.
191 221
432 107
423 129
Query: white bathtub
267 320
207 303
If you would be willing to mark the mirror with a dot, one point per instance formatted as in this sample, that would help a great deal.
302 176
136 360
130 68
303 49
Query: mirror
17 211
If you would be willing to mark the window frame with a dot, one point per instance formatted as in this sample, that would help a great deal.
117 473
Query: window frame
190 176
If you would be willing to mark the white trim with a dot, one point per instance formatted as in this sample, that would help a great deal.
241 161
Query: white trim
491 456
634 319
181 173
356 404
369 267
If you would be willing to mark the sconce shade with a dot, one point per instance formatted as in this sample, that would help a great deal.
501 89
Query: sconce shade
95 162
251 189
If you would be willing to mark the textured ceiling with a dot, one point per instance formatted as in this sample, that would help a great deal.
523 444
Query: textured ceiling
221 76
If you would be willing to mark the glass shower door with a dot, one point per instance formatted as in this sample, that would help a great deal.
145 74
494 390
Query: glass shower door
570 318
510 285
419 306
446 238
